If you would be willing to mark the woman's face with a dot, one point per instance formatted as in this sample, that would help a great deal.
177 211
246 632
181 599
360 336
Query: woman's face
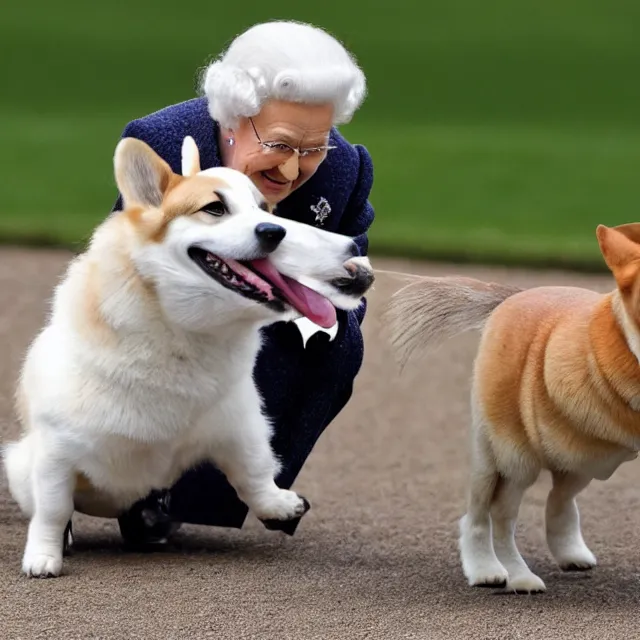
281 147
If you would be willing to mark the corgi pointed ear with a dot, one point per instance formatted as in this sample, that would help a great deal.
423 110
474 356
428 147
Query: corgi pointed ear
141 174
631 230
190 157
620 247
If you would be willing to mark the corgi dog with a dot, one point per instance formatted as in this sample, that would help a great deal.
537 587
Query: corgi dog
144 368
556 386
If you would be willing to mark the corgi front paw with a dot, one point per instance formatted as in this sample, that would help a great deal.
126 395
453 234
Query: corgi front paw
284 505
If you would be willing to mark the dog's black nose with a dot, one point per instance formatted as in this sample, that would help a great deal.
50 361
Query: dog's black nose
270 235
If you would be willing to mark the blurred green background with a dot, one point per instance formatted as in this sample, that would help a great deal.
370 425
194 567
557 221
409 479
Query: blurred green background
501 130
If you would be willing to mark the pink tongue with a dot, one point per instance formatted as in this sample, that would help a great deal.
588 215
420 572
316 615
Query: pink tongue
309 303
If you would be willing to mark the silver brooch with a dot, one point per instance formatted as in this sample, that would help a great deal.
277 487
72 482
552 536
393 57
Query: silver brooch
322 210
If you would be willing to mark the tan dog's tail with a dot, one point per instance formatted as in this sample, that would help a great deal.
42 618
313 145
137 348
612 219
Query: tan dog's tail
429 311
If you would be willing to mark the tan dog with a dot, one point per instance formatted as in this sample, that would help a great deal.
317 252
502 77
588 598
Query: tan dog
556 386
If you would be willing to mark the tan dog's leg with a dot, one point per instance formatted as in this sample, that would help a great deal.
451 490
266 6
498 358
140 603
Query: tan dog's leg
504 513
479 561
563 523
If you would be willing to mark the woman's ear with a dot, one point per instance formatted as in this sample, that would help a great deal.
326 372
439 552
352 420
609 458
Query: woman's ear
229 137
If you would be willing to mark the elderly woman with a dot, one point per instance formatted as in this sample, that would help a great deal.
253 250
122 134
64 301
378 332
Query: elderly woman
271 105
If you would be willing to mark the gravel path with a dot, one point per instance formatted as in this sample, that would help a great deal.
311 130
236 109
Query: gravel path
376 556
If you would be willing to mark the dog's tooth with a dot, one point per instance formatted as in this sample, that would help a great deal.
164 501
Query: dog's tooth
225 269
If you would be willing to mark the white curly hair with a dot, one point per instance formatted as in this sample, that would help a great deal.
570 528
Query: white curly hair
285 60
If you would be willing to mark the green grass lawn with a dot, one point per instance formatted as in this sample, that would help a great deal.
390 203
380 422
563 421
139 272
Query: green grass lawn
500 131
508 194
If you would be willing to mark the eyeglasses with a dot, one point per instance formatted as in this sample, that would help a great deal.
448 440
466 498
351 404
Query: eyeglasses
284 148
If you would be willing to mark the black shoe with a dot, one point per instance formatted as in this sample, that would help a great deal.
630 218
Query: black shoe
67 540
147 525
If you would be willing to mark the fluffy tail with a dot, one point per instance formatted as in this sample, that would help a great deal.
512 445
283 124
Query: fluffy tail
431 310
18 461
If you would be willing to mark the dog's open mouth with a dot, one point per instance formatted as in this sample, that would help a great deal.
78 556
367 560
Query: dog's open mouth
260 281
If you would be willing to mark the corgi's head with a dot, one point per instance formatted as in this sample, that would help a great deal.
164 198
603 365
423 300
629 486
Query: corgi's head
215 253
620 247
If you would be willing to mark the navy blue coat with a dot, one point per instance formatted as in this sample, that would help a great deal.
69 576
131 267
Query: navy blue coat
303 388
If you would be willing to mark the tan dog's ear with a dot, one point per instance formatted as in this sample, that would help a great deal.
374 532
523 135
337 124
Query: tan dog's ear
631 230
190 157
141 174
620 251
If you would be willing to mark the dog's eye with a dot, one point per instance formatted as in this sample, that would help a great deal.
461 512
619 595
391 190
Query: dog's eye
216 208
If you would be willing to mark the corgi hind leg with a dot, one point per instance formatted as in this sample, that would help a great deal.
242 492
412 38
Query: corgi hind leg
504 514
564 536
480 563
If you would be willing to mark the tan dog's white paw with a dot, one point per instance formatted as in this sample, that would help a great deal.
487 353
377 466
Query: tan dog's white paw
42 565
579 559
492 576
526 583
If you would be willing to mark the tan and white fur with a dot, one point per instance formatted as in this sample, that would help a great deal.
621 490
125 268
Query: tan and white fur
556 386
144 367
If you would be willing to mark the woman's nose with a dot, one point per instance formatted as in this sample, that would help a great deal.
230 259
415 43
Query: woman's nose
291 168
